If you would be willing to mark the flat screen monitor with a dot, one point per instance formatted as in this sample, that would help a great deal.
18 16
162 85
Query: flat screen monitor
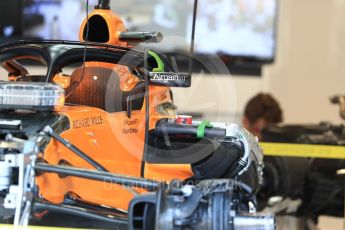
237 28
244 28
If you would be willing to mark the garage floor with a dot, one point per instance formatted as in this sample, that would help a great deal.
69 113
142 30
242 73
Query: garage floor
325 223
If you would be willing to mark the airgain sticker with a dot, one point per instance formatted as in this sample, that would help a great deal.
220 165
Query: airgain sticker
170 79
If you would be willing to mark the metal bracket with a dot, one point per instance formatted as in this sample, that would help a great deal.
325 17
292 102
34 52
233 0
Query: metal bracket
20 195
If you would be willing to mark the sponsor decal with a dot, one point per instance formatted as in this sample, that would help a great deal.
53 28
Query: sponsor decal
87 122
129 131
170 79
130 122
166 77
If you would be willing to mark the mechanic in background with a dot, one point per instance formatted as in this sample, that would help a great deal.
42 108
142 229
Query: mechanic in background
260 111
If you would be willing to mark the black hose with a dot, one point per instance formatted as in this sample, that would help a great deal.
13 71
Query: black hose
78 212
98 176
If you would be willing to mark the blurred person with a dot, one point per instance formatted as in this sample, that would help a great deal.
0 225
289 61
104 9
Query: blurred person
261 110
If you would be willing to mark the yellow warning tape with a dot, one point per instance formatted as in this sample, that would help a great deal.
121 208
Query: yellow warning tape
303 150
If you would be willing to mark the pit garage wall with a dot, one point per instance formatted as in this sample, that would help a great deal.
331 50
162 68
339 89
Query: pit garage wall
309 68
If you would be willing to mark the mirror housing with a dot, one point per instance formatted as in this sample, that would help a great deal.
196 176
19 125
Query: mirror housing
138 37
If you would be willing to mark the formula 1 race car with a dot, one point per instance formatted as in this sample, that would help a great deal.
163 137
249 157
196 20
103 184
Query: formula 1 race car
94 135
55 154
